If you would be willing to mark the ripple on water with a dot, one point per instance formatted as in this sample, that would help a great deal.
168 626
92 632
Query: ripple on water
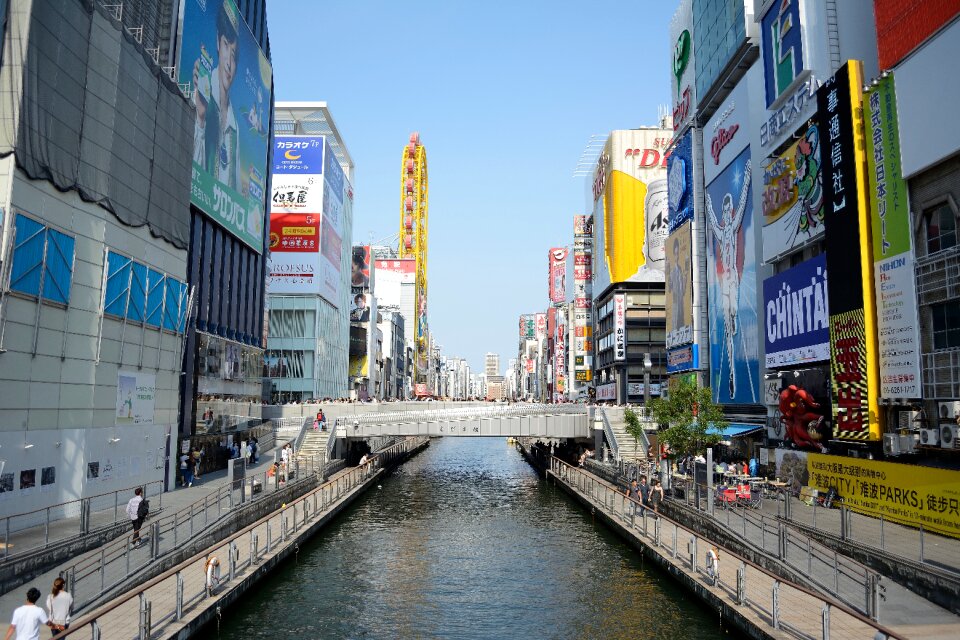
465 541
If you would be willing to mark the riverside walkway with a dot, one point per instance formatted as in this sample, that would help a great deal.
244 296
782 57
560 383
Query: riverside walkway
749 596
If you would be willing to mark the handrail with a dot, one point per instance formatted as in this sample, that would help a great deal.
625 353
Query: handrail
433 415
327 498
610 435
298 441
563 470
84 511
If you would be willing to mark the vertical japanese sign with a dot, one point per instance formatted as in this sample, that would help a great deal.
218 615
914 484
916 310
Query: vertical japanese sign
231 80
898 332
619 326
557 266
527 326
583 296
541 326
853 336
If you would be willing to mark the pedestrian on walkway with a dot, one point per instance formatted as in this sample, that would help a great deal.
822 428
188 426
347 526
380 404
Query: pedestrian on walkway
186 470
59 607
713 564
656 496
197 460
256 451
644 490
285 454
633 492
248 452
137 509
28 618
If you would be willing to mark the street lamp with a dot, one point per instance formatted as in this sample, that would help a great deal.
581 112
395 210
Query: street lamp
647 366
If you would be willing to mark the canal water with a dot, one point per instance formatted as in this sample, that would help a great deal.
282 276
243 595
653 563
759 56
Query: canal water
465 541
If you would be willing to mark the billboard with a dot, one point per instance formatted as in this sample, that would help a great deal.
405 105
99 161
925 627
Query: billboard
630 207
683 358
620 327
782 48
916 496
898 324
680 183
391 275
731 285
803 408
540 326
682 68
797 315
679 286
726 132
792 199
294 252
528 326
231 81
360 307
557 268
902 26
853 335
582 225
136 397
360 269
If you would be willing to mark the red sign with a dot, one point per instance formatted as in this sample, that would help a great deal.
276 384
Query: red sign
902 26
648 157
722 139
295 232
682 110
420 389
558 274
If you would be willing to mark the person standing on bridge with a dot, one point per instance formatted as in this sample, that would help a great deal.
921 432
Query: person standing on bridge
28 618
59 606
633 492
644 490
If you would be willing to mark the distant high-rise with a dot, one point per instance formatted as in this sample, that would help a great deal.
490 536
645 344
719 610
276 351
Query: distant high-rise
492 367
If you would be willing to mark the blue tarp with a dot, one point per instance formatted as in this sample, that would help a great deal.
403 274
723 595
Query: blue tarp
735 429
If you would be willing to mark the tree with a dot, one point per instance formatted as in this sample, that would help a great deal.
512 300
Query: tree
687 412
633 427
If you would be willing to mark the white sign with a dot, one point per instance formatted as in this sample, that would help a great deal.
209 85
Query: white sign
607 391
683 64
636 389
136 394
897 328
294 273
727 132
619 327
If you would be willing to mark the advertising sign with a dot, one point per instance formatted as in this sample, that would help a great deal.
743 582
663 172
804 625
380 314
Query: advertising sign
797 315
391 276
528 326
682 67
727 132
359 366
793 197
620 327
636 389
901 28
298 155
732 281
679 300
853 335
360 269
231 83
680 183
782 47
136 396
294 244
582 225
360 308
917 496
541 326
557 268
683 358
803 409
607 391
898 324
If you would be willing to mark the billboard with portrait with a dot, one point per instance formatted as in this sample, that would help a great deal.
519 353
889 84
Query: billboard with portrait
557 270
732 285
679 287
230 80
792 196
797 313
360 269
360 307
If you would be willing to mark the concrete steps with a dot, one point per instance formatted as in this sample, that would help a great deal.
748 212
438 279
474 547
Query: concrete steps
630 450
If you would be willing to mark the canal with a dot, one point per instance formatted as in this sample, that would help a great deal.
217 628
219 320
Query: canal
465 541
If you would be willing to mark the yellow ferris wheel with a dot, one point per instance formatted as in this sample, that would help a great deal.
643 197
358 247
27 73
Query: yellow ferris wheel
413 243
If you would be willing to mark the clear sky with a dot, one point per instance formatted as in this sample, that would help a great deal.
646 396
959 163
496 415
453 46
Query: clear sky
505 96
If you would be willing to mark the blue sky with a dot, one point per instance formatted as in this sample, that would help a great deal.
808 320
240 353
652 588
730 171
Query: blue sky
505 96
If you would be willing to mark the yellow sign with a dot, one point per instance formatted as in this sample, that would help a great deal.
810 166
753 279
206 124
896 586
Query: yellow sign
909 494
299 231
780 185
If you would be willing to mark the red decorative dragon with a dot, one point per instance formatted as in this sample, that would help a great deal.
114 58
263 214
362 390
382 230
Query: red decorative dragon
803 427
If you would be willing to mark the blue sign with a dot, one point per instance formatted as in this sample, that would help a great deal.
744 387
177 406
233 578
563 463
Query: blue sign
298 155
782 47
797 315
680 183
732 285
683 358
333 173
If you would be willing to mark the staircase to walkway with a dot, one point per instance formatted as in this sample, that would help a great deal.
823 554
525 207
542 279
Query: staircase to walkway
314 444
628 449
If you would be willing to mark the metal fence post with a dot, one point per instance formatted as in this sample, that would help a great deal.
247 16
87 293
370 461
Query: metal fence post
144 627
256 548
741 582
46 529
836 573
692 547
269 539
656 532
843 523
674 540
881 532
233 559
825 621
155 540
921 544
179 612
776 604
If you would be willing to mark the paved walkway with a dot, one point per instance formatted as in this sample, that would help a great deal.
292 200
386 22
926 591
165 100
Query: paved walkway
211 490
900 607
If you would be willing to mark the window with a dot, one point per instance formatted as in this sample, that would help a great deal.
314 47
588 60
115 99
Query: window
941 228
42 261
140 294
946 325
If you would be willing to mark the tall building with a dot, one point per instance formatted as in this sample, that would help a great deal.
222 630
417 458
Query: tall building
491 364
309 277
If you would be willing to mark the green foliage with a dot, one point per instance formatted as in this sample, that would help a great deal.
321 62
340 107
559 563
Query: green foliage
633 425
685 432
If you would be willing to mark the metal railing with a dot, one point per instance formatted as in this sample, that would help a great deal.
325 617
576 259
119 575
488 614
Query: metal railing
434 415
610 436
93 576
766 599
184 588
28 532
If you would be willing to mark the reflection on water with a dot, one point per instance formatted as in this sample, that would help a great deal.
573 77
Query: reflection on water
465 541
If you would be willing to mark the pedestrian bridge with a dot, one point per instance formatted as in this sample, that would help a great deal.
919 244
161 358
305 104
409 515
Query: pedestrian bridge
518 421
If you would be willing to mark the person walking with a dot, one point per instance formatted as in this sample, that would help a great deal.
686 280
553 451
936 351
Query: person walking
59 607
633 492
644 490
186 469
713 564
656 496
28 618
137 509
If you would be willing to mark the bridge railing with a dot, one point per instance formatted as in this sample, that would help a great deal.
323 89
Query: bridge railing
157 607
400 417
783 605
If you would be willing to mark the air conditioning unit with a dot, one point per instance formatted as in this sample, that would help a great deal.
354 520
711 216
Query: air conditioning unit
929 437
908 443
908 419
891 444
949 434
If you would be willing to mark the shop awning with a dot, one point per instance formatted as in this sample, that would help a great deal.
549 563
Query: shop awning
736 430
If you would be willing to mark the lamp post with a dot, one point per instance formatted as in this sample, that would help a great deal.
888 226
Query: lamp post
647 366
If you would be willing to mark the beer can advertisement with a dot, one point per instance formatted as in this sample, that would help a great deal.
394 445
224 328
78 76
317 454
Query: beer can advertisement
232 127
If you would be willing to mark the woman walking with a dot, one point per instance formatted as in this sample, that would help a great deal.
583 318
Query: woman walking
59 607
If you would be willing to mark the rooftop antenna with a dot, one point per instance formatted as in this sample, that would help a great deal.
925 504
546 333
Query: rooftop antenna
588 159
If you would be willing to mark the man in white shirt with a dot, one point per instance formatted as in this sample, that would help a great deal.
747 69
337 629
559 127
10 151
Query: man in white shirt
285 454
133 512
28 618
